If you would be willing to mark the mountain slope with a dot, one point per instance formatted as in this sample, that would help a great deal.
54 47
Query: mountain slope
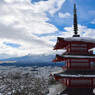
32 58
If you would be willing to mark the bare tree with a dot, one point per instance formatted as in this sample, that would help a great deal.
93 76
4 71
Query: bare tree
17 83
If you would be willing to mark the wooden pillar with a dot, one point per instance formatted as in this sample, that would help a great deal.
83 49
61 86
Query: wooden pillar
69 82
66 81
92 83
87 47
67 64
70 63
69 48
89 64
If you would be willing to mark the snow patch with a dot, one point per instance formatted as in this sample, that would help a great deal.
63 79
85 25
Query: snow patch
79 75
83 39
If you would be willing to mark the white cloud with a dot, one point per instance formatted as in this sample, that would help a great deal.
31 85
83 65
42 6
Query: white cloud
66 15
21 21
51 6
93 22
83 31
50 37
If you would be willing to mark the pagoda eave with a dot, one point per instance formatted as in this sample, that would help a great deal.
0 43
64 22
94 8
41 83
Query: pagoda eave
74 76
77 72
77 91
65 57
62 43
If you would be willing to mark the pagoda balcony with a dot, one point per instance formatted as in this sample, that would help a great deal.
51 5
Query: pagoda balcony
78 82
78 52
63 43
91 67
64 57
82 68
78 68
77 91
78 86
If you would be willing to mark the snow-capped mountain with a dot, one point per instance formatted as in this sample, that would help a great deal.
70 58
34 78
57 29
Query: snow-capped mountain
32 58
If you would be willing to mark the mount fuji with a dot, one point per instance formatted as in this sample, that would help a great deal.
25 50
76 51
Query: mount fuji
31 60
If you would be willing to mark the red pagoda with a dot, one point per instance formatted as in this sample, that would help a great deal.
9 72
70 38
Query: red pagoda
78 74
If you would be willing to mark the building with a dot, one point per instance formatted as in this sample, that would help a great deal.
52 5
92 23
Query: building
78 74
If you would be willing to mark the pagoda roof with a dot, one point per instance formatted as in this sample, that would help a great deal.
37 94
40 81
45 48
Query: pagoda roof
76 74
78 56
81 39
77 91
63 42
69 56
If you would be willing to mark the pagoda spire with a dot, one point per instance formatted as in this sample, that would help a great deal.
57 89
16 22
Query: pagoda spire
75 23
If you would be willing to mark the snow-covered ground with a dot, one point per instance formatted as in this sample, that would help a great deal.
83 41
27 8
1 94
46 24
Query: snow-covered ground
55 89
37 71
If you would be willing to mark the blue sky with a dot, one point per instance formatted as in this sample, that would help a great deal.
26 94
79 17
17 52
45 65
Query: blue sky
85 11
12 45
32 26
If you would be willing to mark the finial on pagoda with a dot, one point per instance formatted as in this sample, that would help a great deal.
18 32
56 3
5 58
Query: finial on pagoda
75 23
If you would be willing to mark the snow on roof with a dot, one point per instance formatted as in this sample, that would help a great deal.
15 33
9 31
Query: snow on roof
56 72
78 56
83 39
79 75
